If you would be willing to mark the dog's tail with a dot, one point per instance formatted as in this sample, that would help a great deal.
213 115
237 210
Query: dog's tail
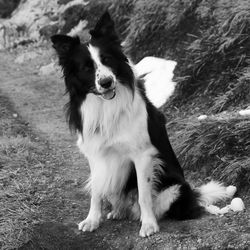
183 202
213 192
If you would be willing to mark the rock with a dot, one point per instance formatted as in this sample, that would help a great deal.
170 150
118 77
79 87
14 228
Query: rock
47 69
237 205
72 16
244 112
6 7
48 30
78 28
231 190
202 117
62 2
26 21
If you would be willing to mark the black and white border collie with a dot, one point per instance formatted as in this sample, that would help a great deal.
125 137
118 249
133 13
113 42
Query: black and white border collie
123 136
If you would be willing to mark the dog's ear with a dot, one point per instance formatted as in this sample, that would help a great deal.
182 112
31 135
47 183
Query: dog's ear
63 44
105 27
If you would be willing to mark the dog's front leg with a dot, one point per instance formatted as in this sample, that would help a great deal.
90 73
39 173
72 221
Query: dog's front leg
93 219
94 216
144 168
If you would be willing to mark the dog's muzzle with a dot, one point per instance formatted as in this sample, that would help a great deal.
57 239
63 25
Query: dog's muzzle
106 88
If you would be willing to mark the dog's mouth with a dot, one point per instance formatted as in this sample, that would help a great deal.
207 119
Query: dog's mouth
108 94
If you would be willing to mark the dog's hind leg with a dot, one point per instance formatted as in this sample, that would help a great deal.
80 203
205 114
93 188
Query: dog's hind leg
165 199
119 205
125 206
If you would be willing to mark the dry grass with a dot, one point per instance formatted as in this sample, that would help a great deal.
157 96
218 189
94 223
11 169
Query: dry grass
209 39
217 63
25 186
27 181
156 26
216 147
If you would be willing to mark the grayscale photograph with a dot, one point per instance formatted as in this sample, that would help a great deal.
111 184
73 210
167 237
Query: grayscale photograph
124 124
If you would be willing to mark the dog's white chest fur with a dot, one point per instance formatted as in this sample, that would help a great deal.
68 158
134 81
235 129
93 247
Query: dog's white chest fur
114 134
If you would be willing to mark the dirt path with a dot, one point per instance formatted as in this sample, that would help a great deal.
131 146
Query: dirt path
40 100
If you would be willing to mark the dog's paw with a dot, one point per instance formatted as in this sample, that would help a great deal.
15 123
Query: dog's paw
88 225
148 228
115 215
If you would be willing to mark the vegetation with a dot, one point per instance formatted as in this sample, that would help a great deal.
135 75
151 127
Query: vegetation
210 40
28 188
216 148
7 6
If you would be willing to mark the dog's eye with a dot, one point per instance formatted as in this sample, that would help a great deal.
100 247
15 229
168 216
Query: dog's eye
88 66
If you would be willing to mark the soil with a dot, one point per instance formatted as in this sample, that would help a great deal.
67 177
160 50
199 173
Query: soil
39 100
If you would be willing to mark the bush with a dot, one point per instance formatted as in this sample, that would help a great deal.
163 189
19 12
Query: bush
209 39
90 12
122 12
217 62
159 25
72 16
7 6
218 147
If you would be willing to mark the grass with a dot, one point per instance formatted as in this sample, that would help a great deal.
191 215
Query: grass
157 26
209 40
217 147
217 62
28 187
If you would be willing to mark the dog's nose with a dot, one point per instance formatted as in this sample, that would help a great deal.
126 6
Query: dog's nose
106 83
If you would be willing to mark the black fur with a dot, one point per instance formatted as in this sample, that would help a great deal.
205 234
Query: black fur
186 206
79 73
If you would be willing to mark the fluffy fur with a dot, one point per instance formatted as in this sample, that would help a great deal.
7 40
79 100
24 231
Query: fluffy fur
157 74
123 136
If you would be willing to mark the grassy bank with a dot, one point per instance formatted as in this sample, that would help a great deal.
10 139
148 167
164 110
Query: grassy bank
211 43
216 148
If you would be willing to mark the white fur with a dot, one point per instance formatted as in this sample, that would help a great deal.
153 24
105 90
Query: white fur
78 28
101 71
165 199
212 209
212 192
113 130
114 133
158 74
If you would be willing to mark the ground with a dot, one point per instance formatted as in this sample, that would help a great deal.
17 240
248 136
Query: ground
32 111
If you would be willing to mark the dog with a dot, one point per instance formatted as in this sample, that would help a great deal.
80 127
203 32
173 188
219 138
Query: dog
123 136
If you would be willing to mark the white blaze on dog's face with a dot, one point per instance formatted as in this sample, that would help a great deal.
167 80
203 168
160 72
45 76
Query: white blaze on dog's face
111 65
105 80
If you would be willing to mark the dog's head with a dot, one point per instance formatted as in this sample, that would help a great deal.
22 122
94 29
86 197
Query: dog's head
98 66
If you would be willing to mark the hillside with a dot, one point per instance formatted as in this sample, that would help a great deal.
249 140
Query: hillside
207 117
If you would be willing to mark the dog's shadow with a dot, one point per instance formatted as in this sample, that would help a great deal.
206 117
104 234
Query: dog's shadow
58 236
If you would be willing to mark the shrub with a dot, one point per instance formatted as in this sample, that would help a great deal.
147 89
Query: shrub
158 25
7 6
218 147
209 39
